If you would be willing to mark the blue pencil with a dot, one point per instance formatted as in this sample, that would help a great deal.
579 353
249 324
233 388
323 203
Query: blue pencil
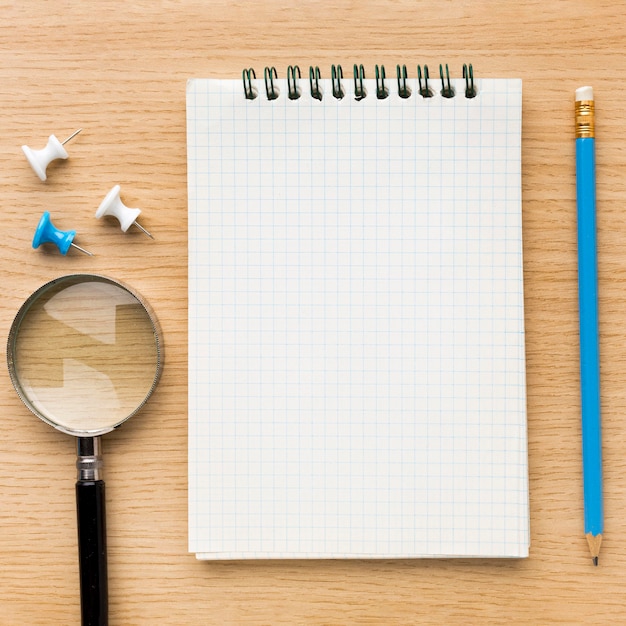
588 311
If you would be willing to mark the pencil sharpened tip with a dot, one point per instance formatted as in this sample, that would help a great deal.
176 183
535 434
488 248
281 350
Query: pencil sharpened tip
594 542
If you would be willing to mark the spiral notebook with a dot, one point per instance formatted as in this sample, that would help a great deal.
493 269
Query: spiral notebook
356 317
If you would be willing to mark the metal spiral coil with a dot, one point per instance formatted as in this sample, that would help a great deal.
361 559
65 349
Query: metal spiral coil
314 81
447 91
337 77
293 88
404 91
294 76
468 75
248 88
381 91
424 90
359 76
270 89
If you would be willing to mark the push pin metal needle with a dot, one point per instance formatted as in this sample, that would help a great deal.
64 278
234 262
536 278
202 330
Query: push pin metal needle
47 232
113 205
40 159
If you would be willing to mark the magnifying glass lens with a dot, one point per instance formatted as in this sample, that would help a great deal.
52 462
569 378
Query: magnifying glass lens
86 354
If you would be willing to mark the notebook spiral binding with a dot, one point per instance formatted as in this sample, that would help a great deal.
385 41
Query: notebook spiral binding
294 76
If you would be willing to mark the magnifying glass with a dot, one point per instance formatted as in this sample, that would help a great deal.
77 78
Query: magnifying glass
84 354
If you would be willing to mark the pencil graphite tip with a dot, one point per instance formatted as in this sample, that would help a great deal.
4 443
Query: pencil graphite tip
595 561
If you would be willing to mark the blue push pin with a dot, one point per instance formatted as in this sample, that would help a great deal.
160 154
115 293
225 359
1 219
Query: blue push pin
47 232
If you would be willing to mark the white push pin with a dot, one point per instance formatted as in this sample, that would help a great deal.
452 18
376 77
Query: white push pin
40 159
113 205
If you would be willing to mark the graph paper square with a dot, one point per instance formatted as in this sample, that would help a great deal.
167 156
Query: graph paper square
356 324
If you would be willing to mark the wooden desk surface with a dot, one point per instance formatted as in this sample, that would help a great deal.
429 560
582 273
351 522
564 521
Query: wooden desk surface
118 70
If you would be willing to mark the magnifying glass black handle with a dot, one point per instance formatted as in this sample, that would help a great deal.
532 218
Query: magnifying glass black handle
92 552
92 542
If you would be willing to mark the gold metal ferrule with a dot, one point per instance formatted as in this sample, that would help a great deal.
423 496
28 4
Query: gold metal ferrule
585 119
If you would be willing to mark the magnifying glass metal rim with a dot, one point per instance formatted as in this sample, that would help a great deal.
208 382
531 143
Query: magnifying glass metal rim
14 332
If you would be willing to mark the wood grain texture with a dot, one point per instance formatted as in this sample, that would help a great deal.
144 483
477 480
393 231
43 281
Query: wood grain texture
118 70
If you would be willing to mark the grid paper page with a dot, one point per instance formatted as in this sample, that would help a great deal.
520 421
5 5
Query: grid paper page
356 324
